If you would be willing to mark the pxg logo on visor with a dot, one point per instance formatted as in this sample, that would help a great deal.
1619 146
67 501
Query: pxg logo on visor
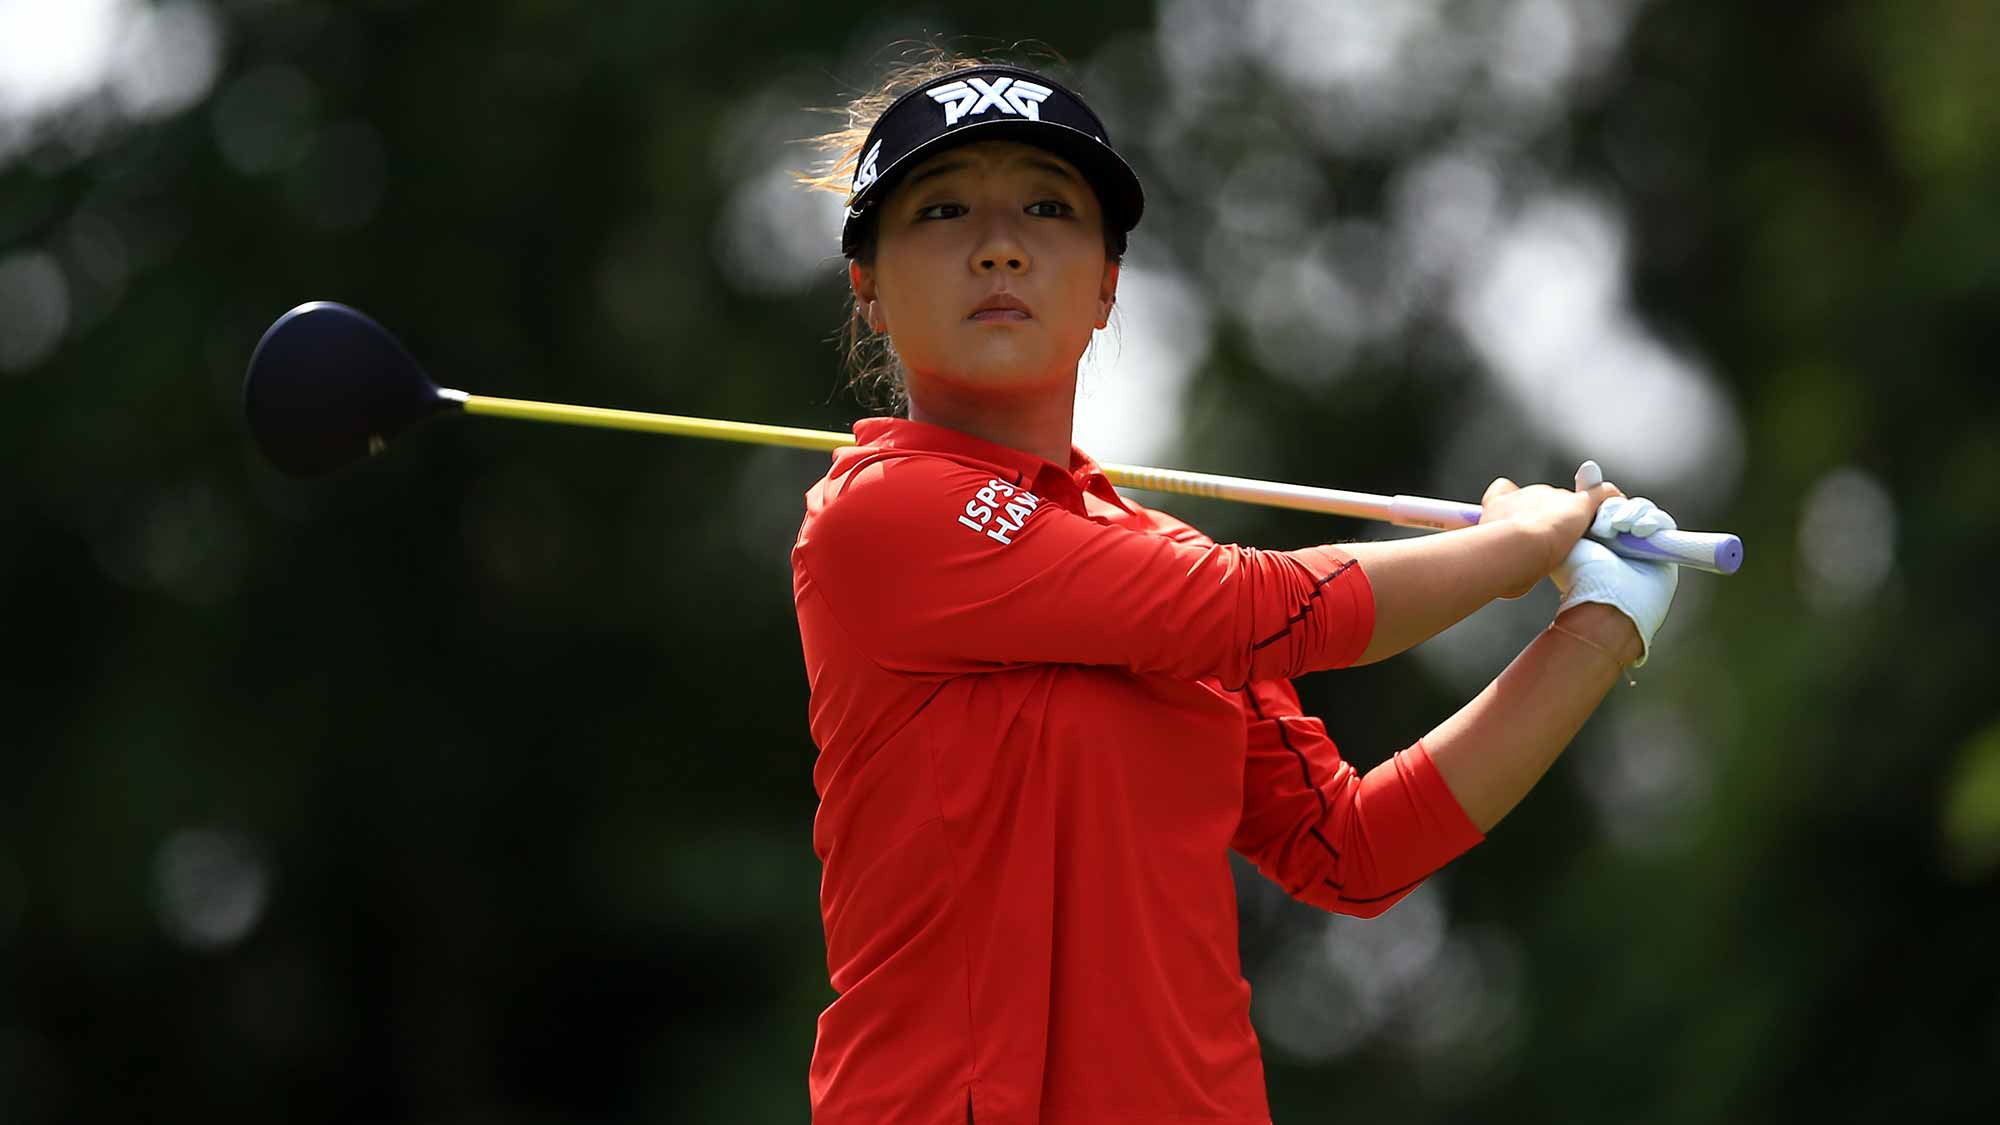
990 103
973 97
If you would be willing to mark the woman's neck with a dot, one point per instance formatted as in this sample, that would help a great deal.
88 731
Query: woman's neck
1039 423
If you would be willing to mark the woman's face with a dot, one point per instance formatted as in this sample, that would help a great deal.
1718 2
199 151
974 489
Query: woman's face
978 220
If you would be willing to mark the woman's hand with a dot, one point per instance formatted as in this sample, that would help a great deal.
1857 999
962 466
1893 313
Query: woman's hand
1639 589
1552 518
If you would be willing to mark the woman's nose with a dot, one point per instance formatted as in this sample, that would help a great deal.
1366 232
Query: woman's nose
1000 250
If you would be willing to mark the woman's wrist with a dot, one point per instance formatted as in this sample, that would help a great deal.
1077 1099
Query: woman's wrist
1520 558
1605 625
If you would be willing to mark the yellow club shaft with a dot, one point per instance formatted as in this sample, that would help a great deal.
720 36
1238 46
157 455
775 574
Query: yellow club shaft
1304 497
655 423
1331 501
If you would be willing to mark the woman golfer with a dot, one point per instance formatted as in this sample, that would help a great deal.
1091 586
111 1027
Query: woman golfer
1045 713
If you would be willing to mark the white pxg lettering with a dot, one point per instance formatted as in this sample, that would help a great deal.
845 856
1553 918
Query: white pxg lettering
999 509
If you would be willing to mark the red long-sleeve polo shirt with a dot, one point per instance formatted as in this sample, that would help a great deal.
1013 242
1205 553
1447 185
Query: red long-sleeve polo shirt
1045 714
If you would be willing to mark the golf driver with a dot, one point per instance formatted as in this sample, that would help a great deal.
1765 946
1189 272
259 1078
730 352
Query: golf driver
328 386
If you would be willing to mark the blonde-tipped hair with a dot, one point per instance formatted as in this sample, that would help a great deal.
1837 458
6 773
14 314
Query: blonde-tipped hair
874 372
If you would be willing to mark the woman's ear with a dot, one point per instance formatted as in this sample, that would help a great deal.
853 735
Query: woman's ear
863 284
1107 293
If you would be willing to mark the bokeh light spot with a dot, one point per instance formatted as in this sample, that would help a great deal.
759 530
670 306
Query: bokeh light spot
165 58
1971 818
776 239
212 887
263 120
34 309
1847 539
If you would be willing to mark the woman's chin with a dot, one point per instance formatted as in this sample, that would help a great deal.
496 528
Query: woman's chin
1001 375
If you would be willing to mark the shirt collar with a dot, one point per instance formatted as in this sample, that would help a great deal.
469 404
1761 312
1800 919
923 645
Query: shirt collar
1083 472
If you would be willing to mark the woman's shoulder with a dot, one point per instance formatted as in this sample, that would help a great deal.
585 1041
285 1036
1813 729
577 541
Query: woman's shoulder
869 492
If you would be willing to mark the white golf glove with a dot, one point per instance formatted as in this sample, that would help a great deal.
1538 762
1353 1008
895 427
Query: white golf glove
1640 589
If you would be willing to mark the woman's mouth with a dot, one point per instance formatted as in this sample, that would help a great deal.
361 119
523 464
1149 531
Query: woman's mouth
1000 308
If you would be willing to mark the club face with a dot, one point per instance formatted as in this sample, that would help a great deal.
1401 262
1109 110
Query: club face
328 386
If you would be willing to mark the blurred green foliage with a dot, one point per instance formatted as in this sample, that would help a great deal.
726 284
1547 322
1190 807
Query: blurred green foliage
490 758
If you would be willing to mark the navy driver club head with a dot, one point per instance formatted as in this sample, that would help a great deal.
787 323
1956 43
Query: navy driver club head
328 386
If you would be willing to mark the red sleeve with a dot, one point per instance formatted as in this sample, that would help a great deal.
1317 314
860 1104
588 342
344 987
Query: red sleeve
1331 837
936 568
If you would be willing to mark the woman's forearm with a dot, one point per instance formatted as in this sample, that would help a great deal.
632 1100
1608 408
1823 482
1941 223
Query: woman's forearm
1425 585
1496 747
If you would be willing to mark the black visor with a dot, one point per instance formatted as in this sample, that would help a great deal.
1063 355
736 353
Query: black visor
990 103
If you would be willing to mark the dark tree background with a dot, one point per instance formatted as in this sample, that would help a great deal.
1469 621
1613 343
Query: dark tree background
474 784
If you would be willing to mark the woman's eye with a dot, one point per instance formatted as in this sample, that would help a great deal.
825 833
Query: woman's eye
1056 208
925 212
